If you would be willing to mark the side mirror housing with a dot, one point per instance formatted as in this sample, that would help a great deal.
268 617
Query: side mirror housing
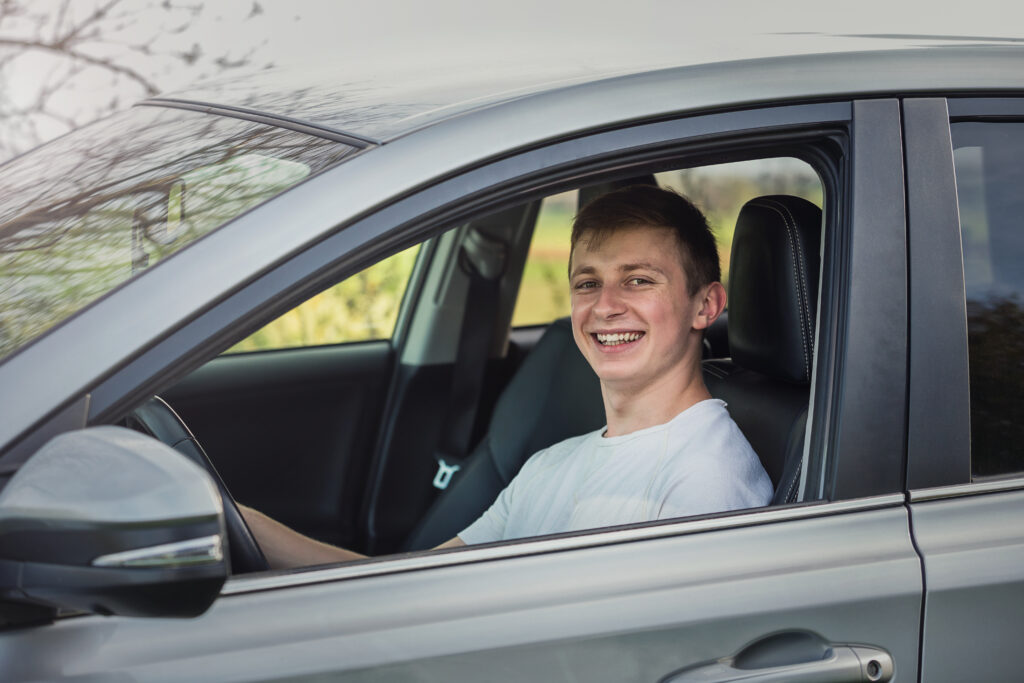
110 521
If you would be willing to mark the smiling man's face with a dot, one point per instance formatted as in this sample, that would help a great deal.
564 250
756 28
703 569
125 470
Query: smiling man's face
632 315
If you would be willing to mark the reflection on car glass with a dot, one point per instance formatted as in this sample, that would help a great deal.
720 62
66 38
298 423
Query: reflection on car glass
87 212
989 176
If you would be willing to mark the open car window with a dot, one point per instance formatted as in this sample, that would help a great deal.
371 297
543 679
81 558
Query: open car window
719 190
361 308
364 456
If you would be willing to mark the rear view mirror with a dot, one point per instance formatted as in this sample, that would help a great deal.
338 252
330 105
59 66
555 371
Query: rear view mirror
110 521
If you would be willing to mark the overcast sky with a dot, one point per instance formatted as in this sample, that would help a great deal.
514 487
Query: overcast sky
392 32
362 37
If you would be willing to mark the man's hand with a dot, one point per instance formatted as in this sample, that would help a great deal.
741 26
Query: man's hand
286 548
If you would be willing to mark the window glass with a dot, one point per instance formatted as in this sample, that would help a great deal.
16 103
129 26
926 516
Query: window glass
362 308
544 290
89 211
989 176
719 190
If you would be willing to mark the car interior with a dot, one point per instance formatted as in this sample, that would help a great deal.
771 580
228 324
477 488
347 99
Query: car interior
398 441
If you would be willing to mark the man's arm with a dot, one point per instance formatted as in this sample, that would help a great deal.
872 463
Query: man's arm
455 542
285 548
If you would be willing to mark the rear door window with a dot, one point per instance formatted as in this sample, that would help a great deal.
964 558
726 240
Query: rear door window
989 177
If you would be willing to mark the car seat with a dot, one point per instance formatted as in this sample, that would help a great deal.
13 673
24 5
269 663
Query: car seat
553 395
773 295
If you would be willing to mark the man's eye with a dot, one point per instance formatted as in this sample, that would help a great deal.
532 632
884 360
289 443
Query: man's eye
586 284
638 281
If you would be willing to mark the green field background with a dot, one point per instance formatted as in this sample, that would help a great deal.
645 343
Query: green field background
365 306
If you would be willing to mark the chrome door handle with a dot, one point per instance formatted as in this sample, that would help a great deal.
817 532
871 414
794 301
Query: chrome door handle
793 657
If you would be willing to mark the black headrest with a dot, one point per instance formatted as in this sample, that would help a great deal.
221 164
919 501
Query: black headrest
773 286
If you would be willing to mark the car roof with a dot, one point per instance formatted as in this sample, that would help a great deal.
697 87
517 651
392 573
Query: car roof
376 109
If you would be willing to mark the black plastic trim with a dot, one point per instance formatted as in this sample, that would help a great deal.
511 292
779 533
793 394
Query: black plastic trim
277 120
72 416
833 167
869 399
978 108
939 427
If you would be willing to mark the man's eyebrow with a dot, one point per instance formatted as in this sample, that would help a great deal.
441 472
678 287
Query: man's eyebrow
626 267
582 270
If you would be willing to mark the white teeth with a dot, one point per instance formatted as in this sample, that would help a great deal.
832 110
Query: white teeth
618 338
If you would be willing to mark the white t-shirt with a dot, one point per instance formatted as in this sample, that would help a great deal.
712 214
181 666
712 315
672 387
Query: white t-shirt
698 462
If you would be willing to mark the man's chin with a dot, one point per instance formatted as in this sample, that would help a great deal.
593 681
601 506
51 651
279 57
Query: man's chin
616 373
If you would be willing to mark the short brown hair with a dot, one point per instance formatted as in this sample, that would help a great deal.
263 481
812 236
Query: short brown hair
654 207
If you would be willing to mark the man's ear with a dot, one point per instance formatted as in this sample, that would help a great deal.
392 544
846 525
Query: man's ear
713 300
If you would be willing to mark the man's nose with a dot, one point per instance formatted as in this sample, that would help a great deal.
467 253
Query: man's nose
609 303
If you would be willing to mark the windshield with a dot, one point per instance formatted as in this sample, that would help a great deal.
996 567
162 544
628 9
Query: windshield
89 211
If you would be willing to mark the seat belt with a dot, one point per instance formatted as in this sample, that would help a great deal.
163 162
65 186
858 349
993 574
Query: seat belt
482 257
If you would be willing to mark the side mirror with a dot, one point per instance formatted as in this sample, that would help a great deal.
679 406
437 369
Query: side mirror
110 521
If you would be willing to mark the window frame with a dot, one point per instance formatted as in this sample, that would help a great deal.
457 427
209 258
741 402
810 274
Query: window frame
851 281
939 428
854 462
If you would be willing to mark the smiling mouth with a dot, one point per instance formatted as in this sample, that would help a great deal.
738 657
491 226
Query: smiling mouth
616 338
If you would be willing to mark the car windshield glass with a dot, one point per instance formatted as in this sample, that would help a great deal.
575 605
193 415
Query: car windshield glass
91 210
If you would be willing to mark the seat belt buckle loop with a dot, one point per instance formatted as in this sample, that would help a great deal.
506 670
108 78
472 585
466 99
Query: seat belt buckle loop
444 475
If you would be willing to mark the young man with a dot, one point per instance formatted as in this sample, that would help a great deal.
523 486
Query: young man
644 276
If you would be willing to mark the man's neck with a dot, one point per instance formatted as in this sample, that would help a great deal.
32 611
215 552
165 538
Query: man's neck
629 409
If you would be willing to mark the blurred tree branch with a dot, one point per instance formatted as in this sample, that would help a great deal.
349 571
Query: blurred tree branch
64 63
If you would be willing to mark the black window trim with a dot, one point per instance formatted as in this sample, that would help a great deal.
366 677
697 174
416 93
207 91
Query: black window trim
939 448
869 322
985 108
938 430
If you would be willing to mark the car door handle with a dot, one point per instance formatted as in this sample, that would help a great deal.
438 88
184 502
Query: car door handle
792 657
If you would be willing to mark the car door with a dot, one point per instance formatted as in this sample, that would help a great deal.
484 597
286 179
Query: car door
290 414
827 588
966 414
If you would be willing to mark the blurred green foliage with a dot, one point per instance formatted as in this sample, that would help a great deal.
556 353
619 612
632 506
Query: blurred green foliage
88 212
365 306
362 308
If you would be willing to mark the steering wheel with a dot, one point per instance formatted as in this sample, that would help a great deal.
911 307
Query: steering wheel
159 420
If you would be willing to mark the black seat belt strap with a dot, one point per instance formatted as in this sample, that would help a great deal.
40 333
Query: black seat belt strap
483 258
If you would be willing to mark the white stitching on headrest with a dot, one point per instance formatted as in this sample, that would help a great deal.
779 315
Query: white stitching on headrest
797 257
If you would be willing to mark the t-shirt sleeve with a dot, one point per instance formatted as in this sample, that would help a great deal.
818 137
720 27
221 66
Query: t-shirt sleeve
490 526
707 487
493 524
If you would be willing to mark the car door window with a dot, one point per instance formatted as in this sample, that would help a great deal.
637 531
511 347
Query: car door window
363 307
989 176
719 190
544 289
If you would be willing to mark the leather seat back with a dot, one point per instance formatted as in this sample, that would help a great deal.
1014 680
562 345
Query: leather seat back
773 295
554 395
